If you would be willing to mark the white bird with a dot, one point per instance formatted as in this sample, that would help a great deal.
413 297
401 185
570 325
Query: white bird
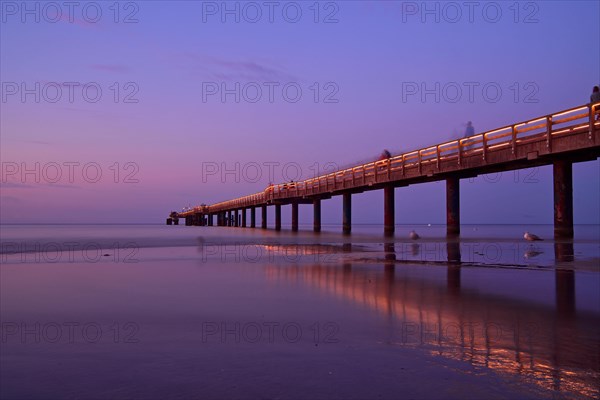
531 237
414 235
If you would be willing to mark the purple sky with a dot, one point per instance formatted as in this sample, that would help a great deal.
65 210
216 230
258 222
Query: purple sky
167 149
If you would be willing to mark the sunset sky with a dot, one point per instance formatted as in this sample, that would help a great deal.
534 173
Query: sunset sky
161 137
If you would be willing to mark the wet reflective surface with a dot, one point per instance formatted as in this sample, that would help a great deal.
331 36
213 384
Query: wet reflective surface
543 338
271 316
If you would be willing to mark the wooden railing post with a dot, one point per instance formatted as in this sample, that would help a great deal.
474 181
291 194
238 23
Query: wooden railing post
549 133
459 145
420 159
389 168
403 166
437 150
484 144
592 122
514 140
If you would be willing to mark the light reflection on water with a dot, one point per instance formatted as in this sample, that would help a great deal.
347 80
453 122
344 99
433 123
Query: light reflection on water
553 345
533 313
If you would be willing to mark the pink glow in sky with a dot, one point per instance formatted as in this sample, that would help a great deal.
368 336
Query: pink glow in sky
157 132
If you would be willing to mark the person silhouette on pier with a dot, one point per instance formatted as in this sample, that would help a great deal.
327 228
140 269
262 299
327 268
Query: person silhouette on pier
385 155
469 131
595 98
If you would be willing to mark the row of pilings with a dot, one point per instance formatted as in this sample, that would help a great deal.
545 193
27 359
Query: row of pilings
563 209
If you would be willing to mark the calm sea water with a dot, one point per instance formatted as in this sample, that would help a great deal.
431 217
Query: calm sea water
153 311
478 244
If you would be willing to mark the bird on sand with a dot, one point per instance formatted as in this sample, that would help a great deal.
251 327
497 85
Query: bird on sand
414 235
531 237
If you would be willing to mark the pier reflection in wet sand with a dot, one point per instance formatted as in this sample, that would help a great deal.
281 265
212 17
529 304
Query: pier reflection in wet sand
555 345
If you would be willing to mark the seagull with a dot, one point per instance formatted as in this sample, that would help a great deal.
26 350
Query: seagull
531 237
414 235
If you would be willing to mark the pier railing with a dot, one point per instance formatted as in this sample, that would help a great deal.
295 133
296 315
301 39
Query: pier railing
453 154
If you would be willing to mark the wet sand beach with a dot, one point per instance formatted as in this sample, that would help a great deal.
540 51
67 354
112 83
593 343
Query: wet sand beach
231 319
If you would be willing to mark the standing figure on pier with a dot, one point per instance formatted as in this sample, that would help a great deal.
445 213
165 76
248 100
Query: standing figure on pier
469 131
385 155
595 98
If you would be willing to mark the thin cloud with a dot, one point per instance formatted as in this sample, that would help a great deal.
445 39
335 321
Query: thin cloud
12 199
13 185
16 185
236 70
72 20
59 186
30 141
116 68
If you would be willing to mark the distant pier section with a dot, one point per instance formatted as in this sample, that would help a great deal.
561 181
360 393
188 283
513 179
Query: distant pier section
559 139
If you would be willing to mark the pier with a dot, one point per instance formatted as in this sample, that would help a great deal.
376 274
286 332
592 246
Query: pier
559 139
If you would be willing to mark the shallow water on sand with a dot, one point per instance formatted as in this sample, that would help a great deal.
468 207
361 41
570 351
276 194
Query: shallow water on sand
119 311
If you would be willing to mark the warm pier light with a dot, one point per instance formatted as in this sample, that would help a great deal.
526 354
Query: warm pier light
520 144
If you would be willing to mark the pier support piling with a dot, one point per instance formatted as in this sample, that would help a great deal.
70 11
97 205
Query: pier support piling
252 217
389 224
263 222
243 217
563 198
453 206
277 217
347 213
294 216
317 215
